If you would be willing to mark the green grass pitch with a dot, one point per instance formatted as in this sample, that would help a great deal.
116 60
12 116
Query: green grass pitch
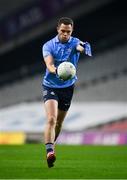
73 162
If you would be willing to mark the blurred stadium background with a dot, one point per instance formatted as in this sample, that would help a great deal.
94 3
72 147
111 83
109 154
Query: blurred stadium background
98 114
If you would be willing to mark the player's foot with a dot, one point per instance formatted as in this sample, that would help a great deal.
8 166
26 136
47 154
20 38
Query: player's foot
51 159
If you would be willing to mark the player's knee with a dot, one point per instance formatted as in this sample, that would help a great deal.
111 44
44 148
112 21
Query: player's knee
52 120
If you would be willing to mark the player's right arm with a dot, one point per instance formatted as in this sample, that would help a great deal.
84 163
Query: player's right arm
48 57
49 61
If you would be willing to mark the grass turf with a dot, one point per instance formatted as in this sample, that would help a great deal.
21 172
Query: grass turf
73 162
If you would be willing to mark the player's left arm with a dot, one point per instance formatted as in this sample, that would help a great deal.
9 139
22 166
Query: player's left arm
84 47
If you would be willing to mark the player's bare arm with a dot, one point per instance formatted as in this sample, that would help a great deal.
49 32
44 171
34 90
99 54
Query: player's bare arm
49 61
80 48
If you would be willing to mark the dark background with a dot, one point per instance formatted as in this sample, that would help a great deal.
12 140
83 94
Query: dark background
104 28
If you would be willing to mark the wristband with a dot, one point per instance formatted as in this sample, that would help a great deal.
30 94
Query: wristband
87 48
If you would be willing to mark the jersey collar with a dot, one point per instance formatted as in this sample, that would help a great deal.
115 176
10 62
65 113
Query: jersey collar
57 40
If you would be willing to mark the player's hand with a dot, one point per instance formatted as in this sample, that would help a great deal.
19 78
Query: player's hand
58 75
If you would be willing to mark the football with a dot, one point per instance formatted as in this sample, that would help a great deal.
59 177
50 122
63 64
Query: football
66 71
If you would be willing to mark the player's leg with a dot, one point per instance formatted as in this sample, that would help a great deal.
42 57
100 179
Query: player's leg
64 102
49 132
51 115
51 108
59 122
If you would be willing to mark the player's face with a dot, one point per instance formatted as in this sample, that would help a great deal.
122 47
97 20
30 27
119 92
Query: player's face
64 32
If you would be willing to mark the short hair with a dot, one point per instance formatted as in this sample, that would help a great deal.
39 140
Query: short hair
65 20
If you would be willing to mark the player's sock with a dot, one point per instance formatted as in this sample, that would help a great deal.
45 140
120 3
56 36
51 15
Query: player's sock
49 147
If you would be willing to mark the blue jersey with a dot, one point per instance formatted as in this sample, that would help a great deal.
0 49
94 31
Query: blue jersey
60 52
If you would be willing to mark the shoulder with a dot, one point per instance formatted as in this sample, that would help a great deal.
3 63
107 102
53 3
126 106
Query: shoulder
49 43
75 40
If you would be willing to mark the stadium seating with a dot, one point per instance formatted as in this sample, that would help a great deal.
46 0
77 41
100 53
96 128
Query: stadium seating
101 78
119 126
